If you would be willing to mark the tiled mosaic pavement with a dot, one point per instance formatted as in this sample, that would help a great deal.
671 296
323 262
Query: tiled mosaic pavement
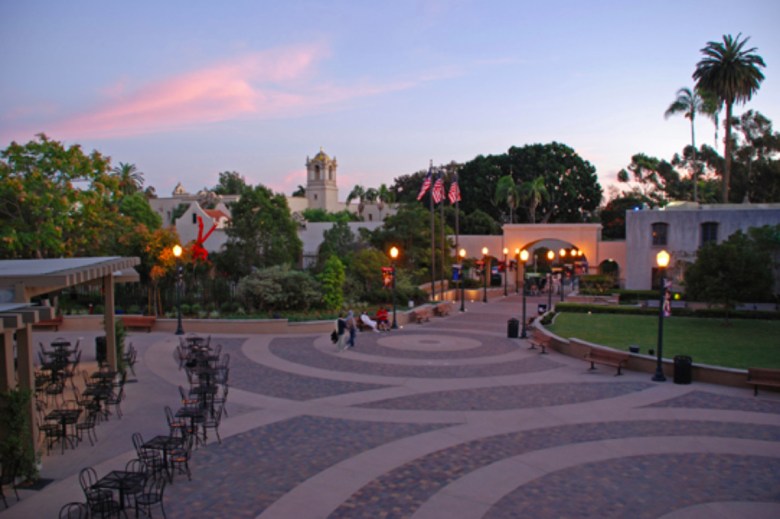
449 419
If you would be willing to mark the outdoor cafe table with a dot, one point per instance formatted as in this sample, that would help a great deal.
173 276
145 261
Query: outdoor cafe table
122 481
165 444
193 413
65 417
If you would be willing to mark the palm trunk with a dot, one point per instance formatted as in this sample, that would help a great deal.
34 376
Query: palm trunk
727 151
695 166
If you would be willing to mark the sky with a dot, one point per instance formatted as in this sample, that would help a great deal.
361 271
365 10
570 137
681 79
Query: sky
185 90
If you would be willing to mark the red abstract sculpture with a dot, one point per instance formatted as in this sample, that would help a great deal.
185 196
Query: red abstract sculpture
198 252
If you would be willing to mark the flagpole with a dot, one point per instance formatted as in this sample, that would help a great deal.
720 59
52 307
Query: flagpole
443 250
433 240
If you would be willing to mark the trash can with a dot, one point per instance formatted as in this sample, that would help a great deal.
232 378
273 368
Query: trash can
541 309
512 328
100 349
683 372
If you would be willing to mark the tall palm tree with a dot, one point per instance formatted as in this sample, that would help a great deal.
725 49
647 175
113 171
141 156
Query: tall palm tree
689 103
711 107
533 192
130 179
732 74
384 196
508 193
358 193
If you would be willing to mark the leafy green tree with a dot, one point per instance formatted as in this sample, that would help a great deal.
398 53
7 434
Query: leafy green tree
507 192
321 215
689 103
738 270
332 279
757 145
383 197
656 179
732 74
230 183
130 179
613 215
137 208
300 192
338 241
262 232
479 222
44 215
367 269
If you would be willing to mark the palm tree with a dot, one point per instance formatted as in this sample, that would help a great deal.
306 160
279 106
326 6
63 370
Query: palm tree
384 196
358 193
130 179
508 192
689 103
731 73
711 107
534 191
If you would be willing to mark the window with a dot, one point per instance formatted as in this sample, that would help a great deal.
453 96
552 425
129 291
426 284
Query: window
709 232
659 233
194 218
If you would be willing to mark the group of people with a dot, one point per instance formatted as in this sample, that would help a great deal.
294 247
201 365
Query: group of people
346 327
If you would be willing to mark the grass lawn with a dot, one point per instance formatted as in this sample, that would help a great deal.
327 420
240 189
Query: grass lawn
741 343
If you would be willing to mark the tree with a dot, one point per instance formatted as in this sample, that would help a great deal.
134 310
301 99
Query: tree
739 270
332 280
358 193
137 208
384 196
479 222
534 193
230 183
613 215
279 288
508 193
300 192
262 232
130 179
731 73
339 241
688 103
44 215
756 146
655 179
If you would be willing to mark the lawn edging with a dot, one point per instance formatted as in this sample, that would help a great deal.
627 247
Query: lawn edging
574 347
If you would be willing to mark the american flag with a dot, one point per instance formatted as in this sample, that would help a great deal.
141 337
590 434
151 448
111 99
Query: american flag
454 193
426 184
438 189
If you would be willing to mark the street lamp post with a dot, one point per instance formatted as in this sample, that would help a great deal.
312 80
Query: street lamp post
517 270
393 257
523 256
551 257
662 259
462 254
562 254
179 278
485 272
505 270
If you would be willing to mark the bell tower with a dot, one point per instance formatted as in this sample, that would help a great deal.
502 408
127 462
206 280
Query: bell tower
321 189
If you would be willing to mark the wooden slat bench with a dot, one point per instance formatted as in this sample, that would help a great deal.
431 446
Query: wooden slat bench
49 323
608 358
540 340
442 309
421 314
139 321
763 377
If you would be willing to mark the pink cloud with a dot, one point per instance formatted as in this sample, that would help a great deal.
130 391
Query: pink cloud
250 85
288 182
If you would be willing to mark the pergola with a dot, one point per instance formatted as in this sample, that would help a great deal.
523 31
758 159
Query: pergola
22 280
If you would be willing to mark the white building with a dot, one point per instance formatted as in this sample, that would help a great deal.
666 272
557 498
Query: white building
681 229
322 192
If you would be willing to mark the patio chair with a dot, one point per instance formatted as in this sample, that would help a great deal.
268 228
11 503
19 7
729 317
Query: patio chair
179 459
176 426
74 511
212 421
187 400
222 400
8 477
116 400
49 431
151 458
131 357
151 495
53 392
88 425
99 501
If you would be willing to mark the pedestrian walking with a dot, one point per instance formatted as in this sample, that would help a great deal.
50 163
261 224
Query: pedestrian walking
341 328
351 328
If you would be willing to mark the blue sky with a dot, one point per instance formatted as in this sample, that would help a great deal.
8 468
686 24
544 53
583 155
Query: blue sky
187 89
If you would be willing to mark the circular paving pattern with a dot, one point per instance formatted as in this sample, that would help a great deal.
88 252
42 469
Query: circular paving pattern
452 419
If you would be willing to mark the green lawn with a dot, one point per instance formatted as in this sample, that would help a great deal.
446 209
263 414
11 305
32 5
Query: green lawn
741 343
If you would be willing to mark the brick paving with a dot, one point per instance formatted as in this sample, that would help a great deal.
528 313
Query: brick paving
447 419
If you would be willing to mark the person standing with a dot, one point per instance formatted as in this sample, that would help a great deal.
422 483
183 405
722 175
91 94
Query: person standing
341 328
351 328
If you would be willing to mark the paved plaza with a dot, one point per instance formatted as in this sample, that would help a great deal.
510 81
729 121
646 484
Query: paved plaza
446 419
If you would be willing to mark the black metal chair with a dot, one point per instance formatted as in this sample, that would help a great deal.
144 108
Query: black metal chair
151 458
74 511
211 421
179 459
152 495
176 426
116 400
8 477
88 425
100 502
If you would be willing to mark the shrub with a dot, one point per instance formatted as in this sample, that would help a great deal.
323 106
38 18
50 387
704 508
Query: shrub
278 288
